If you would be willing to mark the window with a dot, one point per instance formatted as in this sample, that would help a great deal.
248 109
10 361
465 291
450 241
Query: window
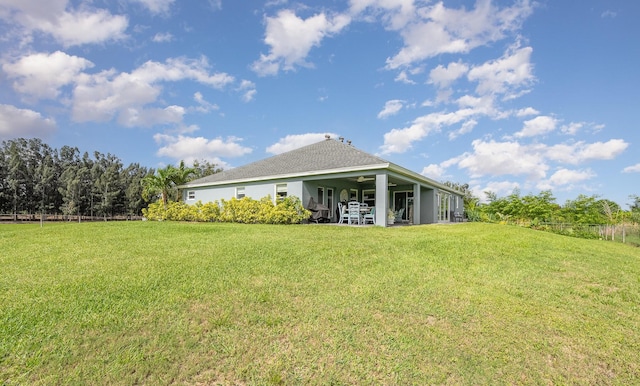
281 191
321 195
191 195
240 192
353 194
369 197
330 201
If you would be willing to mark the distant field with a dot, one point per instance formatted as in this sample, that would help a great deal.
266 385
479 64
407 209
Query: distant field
159 303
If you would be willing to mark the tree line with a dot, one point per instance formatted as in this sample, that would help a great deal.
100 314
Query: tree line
543 208
36 178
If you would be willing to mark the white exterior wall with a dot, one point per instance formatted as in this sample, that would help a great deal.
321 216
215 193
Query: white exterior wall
254 191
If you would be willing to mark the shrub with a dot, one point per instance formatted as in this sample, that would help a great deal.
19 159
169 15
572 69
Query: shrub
245 210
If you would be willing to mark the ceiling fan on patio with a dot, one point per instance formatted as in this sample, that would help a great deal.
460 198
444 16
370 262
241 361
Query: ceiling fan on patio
364 179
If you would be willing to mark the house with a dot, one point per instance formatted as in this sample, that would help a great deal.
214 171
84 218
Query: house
333 171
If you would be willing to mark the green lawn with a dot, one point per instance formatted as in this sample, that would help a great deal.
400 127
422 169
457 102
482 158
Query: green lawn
160 303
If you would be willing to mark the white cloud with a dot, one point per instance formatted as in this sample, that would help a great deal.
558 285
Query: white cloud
401 140
504 158
102 96
248 90
632 169
291 38
505 75
434 171
15 123
163 37
466 128
537 126
147 117
395 13
157 6
294 141
70 27
580 152
572 128
189 149
451 30
392 107
566 176
526 112
204 106
84 27
500 188
42 75
444 76
403 77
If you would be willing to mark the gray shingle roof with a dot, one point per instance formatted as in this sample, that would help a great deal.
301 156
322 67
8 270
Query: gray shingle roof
326 155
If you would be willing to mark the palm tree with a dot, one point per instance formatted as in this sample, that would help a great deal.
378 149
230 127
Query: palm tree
159 183
182 175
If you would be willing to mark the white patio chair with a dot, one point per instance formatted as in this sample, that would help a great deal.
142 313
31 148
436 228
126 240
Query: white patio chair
353 212
342 212
370 216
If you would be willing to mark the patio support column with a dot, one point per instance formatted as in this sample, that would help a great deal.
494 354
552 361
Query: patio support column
416 204
382 199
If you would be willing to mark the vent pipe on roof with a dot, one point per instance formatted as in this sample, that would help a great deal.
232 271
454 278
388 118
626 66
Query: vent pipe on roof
341 139
349 142
327 136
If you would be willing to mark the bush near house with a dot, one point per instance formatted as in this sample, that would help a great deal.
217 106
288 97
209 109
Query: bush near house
245 210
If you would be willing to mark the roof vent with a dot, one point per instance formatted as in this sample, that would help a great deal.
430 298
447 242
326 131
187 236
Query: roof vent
348 142
327 136
341 139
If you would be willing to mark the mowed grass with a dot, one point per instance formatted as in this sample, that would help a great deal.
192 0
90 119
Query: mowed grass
180 303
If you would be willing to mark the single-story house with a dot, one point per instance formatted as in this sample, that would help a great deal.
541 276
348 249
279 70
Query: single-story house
333 171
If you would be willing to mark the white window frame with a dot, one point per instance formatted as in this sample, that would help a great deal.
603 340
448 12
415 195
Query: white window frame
280 192
240 192
191 195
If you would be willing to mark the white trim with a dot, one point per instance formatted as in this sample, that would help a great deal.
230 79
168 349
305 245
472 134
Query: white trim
328 172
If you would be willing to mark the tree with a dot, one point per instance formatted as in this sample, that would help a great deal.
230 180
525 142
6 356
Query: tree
204 168
132 179
181 175
158 184
107 171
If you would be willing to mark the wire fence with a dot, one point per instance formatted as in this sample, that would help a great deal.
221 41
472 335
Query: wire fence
628 233
37 217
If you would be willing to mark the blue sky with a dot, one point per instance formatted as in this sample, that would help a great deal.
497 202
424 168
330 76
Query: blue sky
499 94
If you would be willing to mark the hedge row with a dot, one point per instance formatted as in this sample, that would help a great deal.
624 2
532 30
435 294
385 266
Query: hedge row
245 210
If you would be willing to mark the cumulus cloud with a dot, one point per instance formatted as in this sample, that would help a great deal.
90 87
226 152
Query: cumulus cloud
15 123
434 171
500 188
291 38
392 107
189 149
580 152
401 140
506 75
85 27
450 30
632 169
527 111
42 75
444 76
537 126
566 177
100 97
294 141
504 158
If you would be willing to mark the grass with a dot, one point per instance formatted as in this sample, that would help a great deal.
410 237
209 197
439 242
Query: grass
178 303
